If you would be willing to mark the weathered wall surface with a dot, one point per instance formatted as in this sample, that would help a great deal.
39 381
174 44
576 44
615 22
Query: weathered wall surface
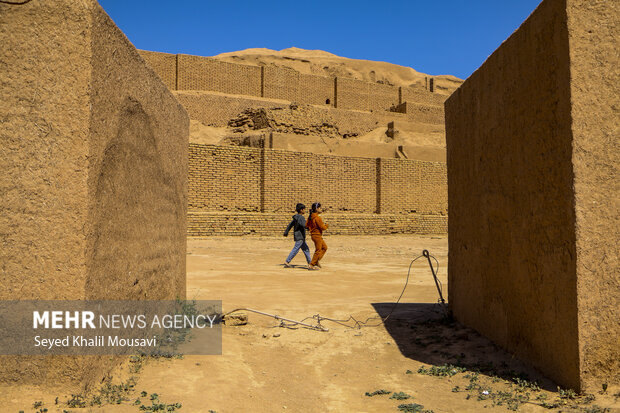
339 182
204 73
164 64
204 224
280 83
381 97
137 175
44 145
531 153
216 109
413 187
66 171
352 94
316 90
421 96
186 72
227 182
593 36
224 178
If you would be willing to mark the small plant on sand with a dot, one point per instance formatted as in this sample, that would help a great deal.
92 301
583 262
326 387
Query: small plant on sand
377 393
446 370
158 406
400 396
413 408
76 401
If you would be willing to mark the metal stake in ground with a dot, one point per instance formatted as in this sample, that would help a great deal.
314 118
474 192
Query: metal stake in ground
428 257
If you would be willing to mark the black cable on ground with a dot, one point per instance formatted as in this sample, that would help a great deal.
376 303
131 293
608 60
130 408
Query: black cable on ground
288 323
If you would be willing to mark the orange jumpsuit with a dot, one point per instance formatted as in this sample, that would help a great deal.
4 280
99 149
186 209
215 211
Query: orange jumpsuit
316 226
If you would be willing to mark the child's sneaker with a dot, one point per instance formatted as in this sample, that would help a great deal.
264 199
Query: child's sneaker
287 265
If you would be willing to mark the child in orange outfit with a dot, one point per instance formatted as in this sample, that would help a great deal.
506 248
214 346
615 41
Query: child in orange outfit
316 227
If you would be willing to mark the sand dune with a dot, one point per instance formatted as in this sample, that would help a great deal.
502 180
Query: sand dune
320 62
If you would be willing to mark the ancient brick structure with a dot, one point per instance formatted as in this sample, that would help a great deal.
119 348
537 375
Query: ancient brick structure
94 163
187 72
533 159
249 180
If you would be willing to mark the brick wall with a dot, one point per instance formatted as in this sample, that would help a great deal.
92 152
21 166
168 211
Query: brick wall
164 64
202 224
340 183
280 83
421 95
204 73
316 90
187 72
413 187
226 183
381 97
224 178
215 109
352 94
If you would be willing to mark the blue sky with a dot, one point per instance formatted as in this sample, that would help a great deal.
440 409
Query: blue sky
434 37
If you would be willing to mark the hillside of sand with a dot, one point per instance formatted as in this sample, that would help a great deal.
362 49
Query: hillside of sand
252 121
319 62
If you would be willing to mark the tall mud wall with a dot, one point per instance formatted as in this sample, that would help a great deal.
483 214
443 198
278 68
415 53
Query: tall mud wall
532 160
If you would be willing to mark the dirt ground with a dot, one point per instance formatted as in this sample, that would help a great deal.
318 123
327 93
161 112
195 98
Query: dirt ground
267 368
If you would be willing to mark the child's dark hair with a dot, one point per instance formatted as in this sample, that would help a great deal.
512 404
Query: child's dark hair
314 207
300 207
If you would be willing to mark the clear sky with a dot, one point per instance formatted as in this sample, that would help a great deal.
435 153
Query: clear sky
435 37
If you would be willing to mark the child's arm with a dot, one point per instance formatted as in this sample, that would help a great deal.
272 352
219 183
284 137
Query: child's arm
321 224
290 225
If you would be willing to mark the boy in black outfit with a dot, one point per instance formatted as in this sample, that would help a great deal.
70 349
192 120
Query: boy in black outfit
298 224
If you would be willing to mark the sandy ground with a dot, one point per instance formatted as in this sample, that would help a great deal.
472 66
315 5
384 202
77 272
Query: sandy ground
267 368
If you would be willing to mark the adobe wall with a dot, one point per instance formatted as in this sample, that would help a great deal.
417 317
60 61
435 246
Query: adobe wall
316 90
280 83
78 172
204 73
164 64
413 187
188 72
250 180
344 184
224 178
421 96
205 224
532 160
216 109
593 36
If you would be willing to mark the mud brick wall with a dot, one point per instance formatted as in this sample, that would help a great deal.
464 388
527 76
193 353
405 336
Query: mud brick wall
203 224
381 97
352 94
214 109
224 178
164 64
280 83
187 72
315 90
533 172
204 73
413 187
226 182
93 164
421 96
340 183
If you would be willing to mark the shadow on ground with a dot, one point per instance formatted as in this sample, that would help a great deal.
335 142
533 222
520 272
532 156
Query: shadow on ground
424 332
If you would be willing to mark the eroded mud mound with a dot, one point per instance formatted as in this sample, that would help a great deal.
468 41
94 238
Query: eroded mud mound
297 119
